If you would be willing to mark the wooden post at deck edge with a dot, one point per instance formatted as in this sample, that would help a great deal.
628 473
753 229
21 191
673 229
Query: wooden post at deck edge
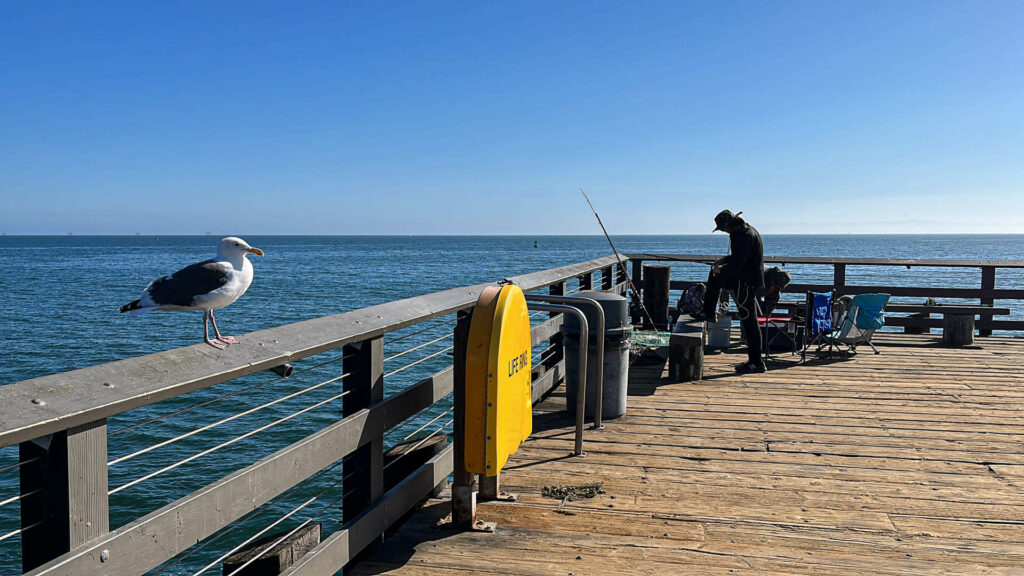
988 282
463 496
64 488
364 468
656 295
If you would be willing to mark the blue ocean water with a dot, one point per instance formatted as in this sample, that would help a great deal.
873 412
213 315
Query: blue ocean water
58 311
60 294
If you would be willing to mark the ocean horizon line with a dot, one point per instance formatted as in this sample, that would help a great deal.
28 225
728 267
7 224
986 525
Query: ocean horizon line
655 235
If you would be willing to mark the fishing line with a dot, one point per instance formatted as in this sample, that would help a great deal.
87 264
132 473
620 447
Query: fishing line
622 266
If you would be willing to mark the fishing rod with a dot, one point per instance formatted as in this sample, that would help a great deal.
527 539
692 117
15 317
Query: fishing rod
622 266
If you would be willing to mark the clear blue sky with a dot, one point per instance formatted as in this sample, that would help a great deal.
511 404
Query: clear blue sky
486 117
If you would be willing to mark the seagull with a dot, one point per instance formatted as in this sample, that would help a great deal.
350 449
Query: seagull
202 286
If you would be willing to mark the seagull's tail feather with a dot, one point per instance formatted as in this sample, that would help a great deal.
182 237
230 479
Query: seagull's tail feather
130 307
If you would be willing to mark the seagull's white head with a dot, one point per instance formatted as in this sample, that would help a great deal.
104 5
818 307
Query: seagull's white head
232 246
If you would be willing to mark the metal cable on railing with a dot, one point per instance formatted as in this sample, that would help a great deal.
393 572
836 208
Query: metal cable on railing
225 420
421 360
19 464
547 353
420 429
225 396
14 533
225 444
413 349
440 322
255 409
19 497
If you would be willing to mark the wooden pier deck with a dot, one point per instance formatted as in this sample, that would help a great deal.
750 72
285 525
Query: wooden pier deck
910 462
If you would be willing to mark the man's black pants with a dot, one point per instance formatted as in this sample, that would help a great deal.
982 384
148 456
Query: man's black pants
745 296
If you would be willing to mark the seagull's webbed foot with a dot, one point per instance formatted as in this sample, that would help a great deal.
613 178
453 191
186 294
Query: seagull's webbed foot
216 344
227 339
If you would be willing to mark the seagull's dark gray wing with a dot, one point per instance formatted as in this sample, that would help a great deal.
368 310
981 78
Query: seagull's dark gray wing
182 287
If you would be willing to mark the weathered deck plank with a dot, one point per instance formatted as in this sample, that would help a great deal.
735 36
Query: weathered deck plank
911 462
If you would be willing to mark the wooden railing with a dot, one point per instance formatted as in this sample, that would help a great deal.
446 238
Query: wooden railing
59 423
985 294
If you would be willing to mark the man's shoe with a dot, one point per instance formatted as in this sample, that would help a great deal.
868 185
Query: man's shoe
751 367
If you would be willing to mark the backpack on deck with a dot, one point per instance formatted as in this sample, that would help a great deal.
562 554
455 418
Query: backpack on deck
692 300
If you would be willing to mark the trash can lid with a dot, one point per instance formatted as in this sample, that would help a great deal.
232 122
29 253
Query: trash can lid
615 307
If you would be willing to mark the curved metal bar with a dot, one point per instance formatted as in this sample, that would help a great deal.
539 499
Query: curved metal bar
599 387
581 384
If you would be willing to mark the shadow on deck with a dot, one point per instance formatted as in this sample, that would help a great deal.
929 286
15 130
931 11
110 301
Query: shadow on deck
909 462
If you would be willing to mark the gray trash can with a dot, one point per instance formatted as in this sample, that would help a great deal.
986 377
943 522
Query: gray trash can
616 355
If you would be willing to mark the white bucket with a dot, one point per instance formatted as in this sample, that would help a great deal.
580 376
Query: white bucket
720 332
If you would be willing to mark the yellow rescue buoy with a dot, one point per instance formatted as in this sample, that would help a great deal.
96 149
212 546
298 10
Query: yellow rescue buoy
498 379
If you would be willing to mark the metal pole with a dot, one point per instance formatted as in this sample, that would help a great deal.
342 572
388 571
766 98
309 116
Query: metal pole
581 380
599 387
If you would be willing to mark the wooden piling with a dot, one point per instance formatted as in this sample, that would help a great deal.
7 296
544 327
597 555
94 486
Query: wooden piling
958 329
656 300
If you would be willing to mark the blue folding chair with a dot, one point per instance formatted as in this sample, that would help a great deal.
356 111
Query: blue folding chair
864 316
818 322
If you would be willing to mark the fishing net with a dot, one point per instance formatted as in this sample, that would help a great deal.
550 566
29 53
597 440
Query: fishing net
648 339
643 342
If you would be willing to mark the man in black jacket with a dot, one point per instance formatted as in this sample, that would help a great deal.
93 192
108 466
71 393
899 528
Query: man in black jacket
741 271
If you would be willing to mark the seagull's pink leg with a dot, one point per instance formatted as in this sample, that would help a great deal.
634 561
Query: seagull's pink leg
206 332
225 339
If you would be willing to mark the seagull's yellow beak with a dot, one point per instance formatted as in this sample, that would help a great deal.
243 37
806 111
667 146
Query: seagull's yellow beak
255 251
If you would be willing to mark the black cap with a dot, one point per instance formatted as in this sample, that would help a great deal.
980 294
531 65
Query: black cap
725 218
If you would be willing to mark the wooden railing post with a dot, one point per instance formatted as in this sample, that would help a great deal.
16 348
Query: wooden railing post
557 341
587 281
364 468
64 492
839 279
988 282
607 281
636 315
463 496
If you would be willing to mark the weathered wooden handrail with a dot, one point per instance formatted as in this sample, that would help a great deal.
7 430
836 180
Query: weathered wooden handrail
986 294
33 408
69 411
